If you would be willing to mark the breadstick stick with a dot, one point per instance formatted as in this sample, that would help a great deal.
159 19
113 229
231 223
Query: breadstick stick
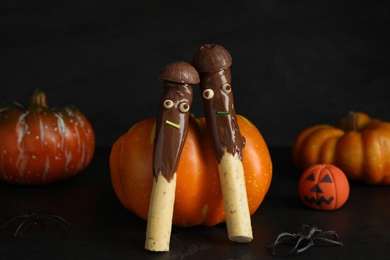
170 135
231 174
213 63
158 231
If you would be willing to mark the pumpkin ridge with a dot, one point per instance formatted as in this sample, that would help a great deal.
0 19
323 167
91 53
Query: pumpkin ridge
350 158
311 153
374 171
326 154
298 143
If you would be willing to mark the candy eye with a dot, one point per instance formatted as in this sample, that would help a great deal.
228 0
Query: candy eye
226 88
208 93
168 104
184 107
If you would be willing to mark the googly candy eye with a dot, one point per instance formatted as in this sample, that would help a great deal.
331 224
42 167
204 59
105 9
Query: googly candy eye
168 104
208 94
184 107
226 88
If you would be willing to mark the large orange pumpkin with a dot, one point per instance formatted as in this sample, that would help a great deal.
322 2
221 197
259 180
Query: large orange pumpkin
198 199
358 145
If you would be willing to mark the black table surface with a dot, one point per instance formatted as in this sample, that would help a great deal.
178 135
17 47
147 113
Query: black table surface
101 228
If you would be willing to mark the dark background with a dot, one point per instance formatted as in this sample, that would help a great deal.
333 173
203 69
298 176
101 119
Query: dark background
295 63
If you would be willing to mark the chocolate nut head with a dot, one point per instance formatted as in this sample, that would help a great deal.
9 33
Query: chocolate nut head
211 58
180 72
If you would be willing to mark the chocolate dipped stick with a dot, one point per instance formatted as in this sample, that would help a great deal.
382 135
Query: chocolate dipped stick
170 135
213 64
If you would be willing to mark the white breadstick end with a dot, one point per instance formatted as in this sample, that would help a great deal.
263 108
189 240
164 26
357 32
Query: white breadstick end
238 220
159 225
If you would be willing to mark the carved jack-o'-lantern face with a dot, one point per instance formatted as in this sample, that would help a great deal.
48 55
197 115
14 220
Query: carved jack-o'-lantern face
323 187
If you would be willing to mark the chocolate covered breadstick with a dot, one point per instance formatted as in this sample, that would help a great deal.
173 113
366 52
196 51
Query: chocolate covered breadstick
170 135
213 64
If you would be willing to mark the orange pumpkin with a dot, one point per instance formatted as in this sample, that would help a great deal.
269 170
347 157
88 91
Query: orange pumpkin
323 187
41 145
198 199
358 145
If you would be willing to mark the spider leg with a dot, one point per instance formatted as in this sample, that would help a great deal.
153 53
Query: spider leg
296 249
328 240
12 218
331 233
23 226
300 250
326 236
282 237
299 238
58 220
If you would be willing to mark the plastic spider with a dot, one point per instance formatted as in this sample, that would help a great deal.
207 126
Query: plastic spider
304 240
34 218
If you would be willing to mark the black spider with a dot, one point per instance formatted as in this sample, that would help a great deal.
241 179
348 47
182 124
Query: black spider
34 218
304 240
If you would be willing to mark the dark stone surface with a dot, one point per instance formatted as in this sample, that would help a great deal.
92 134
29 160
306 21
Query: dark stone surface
102 229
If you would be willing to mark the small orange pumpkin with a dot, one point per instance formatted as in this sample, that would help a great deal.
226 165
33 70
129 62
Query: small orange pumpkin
358 145
323 187
40 144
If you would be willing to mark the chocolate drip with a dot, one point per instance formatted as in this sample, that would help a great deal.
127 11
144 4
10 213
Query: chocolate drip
172 117
220 114
213 62
171 129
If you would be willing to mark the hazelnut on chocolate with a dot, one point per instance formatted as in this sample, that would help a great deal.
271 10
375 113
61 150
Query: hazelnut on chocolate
211 58
180 72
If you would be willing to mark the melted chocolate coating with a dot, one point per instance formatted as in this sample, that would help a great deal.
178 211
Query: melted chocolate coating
222 126
171 135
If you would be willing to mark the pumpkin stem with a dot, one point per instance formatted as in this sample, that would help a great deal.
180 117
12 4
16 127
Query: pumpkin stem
352 121
38 100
